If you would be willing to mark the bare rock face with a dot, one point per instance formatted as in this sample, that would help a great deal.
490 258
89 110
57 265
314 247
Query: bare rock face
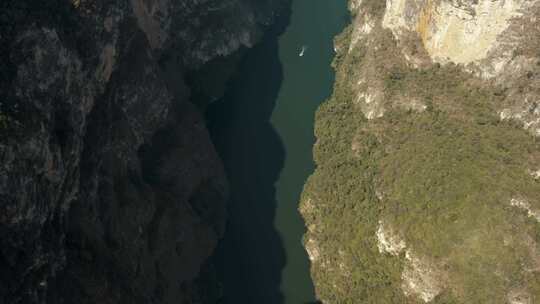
492 39
110 188
456 31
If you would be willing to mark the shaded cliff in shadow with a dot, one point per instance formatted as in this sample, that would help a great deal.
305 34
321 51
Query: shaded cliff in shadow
110 188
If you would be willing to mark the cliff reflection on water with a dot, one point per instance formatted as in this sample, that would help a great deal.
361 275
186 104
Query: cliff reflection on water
263 130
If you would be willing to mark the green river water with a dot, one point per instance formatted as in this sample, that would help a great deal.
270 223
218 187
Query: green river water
263 130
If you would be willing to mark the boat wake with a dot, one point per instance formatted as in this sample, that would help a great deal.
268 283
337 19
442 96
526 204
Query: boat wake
302 51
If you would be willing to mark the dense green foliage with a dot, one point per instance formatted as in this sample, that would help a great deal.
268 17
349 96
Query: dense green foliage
443 177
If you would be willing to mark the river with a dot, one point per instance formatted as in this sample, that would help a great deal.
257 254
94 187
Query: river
263 130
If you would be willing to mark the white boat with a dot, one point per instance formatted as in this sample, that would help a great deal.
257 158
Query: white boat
303 51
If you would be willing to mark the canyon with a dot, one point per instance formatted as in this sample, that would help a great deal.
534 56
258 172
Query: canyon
160 151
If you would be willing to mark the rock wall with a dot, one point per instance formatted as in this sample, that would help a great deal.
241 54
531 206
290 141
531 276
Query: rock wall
110 188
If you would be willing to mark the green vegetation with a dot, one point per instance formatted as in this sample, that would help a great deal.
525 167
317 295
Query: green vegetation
443 178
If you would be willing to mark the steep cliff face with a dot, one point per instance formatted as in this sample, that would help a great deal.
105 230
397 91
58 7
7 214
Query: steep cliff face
427 188
110 188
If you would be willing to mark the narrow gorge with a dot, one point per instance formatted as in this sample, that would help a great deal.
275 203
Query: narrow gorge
270 151
263 129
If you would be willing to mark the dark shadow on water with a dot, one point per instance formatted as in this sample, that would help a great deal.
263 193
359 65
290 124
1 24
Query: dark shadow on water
251 257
